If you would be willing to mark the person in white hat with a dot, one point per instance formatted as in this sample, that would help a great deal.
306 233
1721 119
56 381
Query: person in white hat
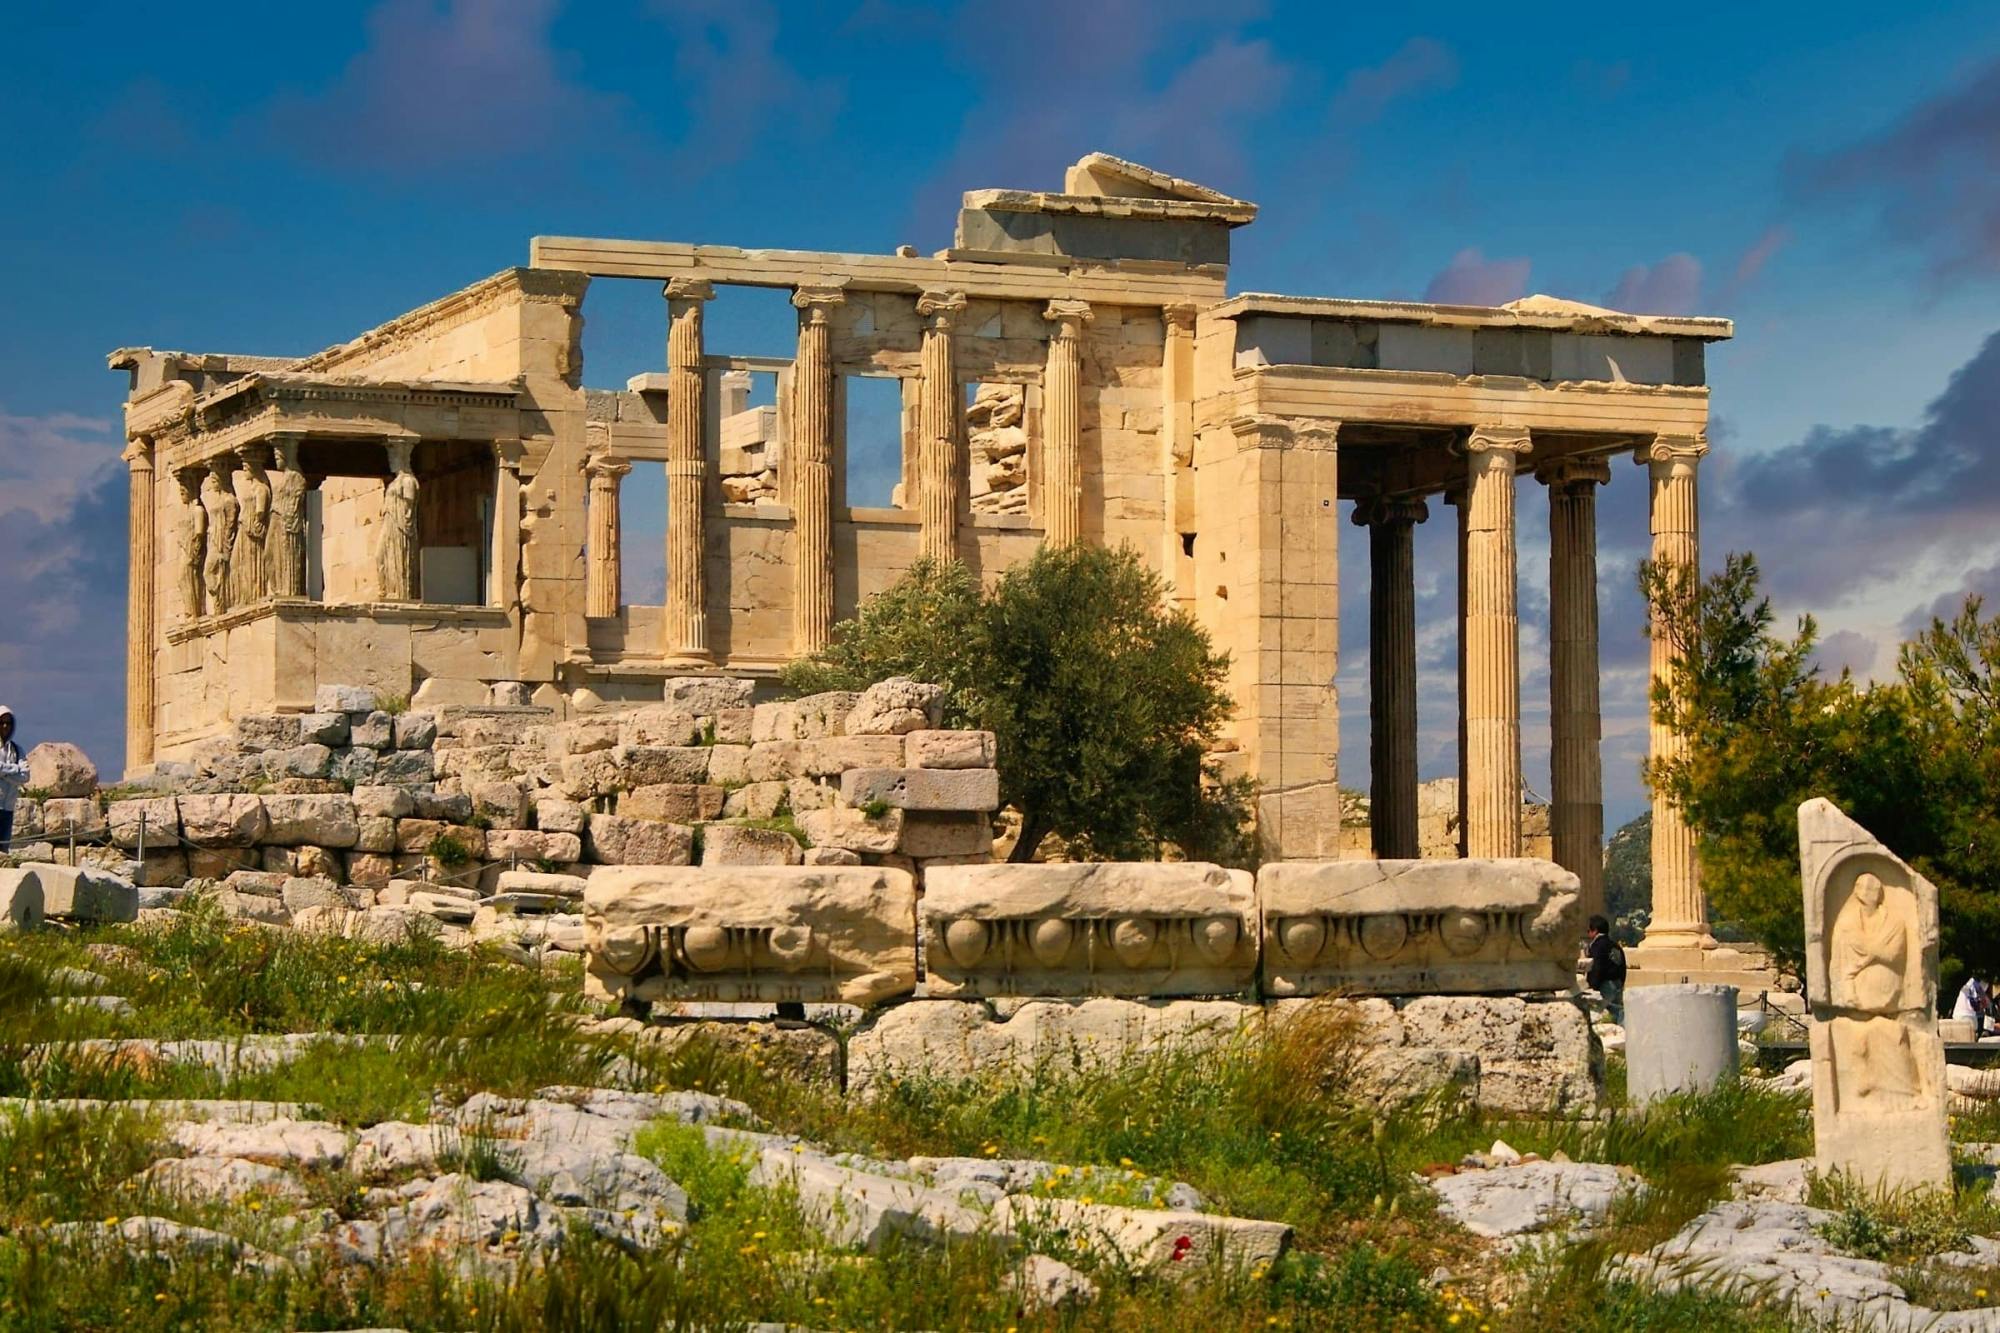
13 777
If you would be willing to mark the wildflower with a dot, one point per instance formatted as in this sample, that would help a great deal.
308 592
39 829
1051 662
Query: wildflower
341 979
159 1295
990 1149
256 1207
1452 1319
111 1221
1125 1161
756 1235
1182 1244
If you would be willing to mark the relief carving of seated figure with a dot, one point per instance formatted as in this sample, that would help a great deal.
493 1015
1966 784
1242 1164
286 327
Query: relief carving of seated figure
1874 947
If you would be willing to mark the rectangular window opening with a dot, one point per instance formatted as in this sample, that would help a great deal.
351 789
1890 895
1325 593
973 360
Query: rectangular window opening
872 445
752 431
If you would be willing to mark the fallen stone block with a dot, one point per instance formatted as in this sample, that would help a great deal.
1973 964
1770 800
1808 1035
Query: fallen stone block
704 696
751 933
896 707
61 770
79 893
218 1180
20 900
976 789
949 749
1525 1197
344 699
1162 1242
963 1039
860 1208
307 1143
1418 927
808 718
531 881
1094 928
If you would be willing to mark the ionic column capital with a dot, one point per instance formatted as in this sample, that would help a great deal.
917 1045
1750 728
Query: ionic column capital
1491 439
818 300
1570 473
688 289
138 453
1180 315
605 466
941 308
1068 316
1262 430
1672 449
1389 510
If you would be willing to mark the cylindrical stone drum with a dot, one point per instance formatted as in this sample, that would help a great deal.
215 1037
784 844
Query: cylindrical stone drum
1678 1039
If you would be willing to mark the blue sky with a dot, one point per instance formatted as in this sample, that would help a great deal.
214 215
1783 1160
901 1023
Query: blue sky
266 180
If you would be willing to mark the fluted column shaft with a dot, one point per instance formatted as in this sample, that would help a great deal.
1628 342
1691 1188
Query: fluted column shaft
1392 673
1062 429
1459 497
602 587
1576 763
809 462
1680 917
686 638
937 440
1492 647
141 600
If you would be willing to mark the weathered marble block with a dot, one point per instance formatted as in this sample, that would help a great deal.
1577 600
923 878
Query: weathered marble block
1097 928
806 933
1416 927
1871 990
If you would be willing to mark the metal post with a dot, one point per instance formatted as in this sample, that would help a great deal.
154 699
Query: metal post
142 838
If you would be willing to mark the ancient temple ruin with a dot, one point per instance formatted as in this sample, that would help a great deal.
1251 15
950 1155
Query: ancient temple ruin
434 506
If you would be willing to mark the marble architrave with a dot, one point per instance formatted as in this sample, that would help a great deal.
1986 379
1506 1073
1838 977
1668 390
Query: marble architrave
1418 927
1095 928
767 933
1871 991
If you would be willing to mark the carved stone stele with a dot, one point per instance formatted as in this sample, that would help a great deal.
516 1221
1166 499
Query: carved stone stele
764 933
1871 991
1418 927
1100 928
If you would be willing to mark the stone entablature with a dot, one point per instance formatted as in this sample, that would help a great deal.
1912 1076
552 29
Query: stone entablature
1072 369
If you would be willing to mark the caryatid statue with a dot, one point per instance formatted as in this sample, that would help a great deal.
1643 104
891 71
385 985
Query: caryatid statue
218 500
190 533
253 525
286 546
396 553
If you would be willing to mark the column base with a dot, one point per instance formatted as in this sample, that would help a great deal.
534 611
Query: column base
687 658
1658 962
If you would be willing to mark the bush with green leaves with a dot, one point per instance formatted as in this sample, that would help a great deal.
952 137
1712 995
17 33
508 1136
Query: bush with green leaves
1915 760
1102 697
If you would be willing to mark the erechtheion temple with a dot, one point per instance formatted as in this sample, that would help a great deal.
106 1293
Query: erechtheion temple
434 507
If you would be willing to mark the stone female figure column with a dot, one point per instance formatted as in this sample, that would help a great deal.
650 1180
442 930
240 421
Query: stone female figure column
246 558
218 499
396 554
190 533
286 546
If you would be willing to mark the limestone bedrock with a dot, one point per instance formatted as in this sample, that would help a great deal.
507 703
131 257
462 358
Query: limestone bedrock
1415 927
805 933
1099 928
1871 991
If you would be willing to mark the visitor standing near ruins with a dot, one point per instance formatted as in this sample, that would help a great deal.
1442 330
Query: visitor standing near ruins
1975 1004
1607 968
13 776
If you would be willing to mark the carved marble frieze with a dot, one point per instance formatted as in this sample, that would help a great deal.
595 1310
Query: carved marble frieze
762 933
1418 927
1112 929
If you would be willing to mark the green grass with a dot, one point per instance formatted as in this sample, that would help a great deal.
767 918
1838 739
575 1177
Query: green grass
1265 1127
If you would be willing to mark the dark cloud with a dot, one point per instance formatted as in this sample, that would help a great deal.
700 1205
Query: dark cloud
1933 176
1982 583
1473 279
1420 65
1848 650
1845 510
1670 287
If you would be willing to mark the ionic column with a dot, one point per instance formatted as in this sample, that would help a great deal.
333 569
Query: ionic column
1576 764
937 429
1459 496
1680 917
1392 672
686 629
1062 429
1492 646
396 552
141 595
603 544
1177 445
809 464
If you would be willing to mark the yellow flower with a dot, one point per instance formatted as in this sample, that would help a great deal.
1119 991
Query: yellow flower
990 1149
1085 1199
111 1221
159 1295
256 1207
756 1235
1124 1161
